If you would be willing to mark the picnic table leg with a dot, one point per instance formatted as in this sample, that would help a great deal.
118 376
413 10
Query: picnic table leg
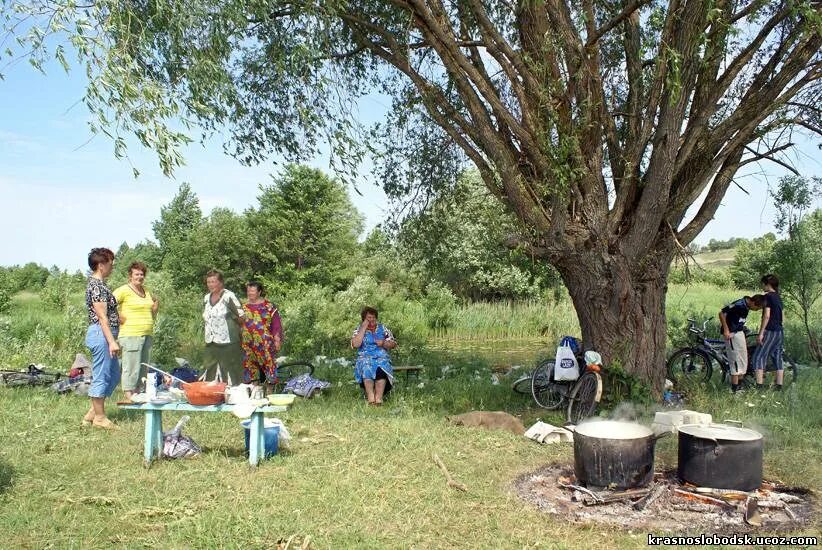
153 436
256 439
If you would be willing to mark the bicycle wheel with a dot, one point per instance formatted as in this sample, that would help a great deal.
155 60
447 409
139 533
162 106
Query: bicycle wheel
547 393
584 397
523 384
688 367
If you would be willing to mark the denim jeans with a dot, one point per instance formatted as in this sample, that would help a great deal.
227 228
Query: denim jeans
105 370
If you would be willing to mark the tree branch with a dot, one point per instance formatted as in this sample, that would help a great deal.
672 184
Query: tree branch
768 155
619 18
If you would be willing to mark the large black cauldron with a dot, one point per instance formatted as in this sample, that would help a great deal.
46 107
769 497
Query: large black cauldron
614 454
720 456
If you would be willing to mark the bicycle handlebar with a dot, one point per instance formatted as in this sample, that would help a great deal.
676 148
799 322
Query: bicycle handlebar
692 326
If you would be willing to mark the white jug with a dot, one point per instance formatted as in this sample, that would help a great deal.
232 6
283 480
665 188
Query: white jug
236 395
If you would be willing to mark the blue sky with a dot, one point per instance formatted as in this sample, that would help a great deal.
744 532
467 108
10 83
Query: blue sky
63 191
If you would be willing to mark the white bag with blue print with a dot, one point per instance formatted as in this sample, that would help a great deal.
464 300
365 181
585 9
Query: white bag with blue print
566 367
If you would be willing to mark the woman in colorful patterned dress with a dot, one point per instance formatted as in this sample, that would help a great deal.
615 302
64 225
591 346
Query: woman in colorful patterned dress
373 369
262 336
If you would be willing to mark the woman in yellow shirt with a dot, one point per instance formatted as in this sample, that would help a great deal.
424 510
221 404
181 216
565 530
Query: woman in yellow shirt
138 309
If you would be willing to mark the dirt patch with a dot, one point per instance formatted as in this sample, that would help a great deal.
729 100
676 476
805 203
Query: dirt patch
669 511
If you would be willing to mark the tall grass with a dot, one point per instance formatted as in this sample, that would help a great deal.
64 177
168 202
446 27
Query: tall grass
318 321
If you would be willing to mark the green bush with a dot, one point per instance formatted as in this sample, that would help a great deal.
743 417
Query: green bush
60 288
166 341
5 300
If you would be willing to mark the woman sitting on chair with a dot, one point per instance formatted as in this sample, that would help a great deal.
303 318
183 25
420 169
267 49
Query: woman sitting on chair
373 369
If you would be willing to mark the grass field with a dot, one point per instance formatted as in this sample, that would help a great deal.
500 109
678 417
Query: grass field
353 477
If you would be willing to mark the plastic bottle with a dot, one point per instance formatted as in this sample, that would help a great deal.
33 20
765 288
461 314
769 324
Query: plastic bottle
151 385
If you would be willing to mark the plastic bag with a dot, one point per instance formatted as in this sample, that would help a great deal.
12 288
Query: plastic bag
566 367
305 386
177 445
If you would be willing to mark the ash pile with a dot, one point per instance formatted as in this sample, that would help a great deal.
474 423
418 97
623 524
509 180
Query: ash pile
666 504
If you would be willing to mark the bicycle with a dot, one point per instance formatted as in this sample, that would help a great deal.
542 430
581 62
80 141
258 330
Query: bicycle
693 365
32 376
582 394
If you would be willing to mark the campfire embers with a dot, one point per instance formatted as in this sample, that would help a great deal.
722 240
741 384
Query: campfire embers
668 505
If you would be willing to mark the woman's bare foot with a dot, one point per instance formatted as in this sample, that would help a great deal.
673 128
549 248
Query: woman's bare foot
104 423
88 418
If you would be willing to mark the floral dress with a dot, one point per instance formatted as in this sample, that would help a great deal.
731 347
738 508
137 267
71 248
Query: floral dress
261 323
371 357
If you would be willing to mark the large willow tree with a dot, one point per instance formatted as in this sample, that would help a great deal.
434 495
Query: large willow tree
599 123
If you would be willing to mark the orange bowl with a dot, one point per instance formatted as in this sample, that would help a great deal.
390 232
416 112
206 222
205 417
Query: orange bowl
205 393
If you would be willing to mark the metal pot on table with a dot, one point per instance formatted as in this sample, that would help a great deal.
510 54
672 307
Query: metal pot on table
615 454
720 456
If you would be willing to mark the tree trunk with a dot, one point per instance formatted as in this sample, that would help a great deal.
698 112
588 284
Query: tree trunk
621 310
813 345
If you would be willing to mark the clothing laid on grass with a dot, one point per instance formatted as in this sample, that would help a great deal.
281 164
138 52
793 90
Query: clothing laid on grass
135 333
261 327
105 370
222 336
371 358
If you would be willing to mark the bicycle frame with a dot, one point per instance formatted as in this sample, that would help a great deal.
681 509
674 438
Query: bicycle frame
715 348
711 346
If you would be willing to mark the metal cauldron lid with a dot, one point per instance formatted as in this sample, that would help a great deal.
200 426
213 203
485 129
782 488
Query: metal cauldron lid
720 431
613 429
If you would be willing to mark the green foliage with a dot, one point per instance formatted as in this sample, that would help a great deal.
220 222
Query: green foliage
31 276
5 299
178 219
60 288
715 244
147 252
719 277
793 197
440 304
305 229
799 264
165 344
460 238
753 259
223 241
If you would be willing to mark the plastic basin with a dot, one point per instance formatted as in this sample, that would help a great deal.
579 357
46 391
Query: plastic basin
271 435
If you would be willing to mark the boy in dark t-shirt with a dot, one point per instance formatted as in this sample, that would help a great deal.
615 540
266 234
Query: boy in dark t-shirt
732 318
771 339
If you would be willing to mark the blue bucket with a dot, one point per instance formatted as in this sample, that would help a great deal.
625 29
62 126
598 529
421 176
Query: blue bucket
271 435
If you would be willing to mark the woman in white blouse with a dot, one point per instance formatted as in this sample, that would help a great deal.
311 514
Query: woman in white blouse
223 315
